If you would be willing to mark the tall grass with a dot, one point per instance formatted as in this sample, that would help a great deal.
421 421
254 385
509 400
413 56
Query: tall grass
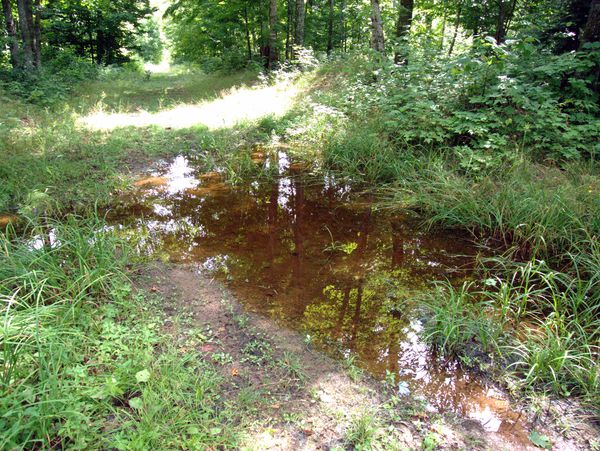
78 363
542 325
45 292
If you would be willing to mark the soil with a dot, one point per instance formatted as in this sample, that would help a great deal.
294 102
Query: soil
308 400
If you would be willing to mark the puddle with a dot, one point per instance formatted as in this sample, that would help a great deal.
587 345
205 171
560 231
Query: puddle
7 219
318 258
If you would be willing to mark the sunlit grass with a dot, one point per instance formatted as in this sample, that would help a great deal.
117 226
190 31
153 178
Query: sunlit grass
232 107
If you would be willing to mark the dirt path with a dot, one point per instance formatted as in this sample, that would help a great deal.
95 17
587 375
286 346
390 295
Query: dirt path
302 399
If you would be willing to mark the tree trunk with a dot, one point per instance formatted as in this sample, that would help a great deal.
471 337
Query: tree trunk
405 14
330 29
591 31
456 25
500 34
343 25
289 30
11 30
443 33
272 58
37 34
247 29
377 38
25 20
299 32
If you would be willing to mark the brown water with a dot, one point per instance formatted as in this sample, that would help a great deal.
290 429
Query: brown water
319 258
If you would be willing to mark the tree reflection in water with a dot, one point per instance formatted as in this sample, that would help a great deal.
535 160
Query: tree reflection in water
316 257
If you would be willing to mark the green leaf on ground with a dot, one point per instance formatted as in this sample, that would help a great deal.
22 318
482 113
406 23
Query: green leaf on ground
142 376
539 440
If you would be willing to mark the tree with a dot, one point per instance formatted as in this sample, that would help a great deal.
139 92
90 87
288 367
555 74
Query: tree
405 15
299 31
591 31
377 38
272 54
330 28
37 33
456 25
11 30
105 31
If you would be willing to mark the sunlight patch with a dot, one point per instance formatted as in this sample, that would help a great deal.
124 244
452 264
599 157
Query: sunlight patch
238 105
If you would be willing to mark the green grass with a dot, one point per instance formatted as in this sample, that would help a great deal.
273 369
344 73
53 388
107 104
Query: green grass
540 325
362 431
130 92
83 362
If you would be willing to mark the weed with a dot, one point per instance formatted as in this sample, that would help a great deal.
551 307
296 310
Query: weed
362 431
222 358
430 441
292 365
241 320
354 372
257 351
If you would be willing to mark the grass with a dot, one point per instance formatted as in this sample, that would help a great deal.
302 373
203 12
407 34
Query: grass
540 325
49 151
361 431
75 341
83 361
130 92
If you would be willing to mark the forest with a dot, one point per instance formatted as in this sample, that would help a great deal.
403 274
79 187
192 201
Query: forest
300 224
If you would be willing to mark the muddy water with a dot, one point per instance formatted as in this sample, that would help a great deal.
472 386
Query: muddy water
319 258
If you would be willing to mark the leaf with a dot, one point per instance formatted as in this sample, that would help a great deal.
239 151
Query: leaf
215 431
142 376
136 403
539 440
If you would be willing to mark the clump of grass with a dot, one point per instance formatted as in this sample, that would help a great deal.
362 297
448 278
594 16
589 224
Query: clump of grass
362 431
541 324
458 319
535 211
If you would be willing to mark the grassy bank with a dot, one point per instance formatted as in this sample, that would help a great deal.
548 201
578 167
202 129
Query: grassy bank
84 361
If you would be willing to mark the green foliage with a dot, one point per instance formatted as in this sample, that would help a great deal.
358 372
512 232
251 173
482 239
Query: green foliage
487 105
104 32
51 84
361 431
540 440
148 43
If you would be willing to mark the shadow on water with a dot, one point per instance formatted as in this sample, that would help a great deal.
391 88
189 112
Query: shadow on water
318 257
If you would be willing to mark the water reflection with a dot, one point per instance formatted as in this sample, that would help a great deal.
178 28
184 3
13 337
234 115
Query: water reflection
318 258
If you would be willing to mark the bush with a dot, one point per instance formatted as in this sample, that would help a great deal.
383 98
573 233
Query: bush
53 82
494 101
